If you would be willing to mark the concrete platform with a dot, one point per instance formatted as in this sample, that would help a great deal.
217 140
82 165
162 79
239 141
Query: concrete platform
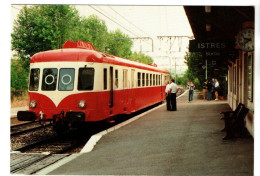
183 142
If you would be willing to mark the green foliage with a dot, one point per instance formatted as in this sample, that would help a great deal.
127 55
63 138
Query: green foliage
140 57
119 44
40 28
92 30
19 76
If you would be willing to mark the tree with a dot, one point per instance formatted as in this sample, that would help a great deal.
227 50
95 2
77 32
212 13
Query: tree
40 28
19 78
140 57
119 44
92 30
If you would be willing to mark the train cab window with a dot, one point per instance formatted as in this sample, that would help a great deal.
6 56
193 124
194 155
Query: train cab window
34 79
147 79
139 79
143 79
86 79
66 79
49 79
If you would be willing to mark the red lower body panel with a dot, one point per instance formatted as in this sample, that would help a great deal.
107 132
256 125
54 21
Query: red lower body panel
98 103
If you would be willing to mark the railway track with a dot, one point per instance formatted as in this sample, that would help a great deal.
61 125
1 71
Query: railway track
26 127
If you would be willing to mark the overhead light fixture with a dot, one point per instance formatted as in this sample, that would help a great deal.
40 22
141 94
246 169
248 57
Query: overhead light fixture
208 9
208 27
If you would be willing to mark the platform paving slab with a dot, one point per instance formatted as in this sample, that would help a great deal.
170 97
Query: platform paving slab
183 142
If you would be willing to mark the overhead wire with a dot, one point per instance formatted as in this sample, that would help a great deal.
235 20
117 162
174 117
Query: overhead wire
128 21
113 21
107 14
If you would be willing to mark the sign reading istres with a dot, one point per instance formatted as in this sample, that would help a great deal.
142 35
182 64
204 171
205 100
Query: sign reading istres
209 45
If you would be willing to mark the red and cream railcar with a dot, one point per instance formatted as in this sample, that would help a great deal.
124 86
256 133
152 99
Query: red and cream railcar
78 83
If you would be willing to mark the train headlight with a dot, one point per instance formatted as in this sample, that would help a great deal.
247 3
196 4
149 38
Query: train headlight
82 104
33 104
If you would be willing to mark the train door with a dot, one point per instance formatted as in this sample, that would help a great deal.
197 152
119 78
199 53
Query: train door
125 88
111 80
132 90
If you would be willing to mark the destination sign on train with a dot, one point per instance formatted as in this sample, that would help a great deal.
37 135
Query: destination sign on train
208 45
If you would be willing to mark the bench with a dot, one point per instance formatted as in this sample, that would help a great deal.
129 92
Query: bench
230 113
234 124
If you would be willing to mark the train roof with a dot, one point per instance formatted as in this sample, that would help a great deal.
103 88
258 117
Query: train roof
87 53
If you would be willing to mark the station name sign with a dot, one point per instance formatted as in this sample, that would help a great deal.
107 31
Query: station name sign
209 45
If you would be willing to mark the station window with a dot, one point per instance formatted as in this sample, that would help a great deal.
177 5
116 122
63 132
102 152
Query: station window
139 79
49 79
86 79
143 79
66 79
250 76
34 79
105 79
147 79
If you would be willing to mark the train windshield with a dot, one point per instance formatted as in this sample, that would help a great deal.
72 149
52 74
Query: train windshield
86 79
66 79
34 79
49 79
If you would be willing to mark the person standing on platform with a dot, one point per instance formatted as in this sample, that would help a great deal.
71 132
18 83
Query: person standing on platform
205 90
167 95
216 89
213 89
173 91
191 90
209 85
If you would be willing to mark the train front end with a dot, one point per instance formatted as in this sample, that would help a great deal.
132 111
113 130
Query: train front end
60 87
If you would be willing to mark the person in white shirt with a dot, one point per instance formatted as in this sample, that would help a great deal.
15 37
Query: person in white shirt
191 90
216 88
167 95
173 91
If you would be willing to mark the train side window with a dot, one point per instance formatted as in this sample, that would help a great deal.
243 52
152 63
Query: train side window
116 79
66 79
49 79
105 79
125 79
156 80
86 78
151 80
143 79
132 78
139 79
34 79
147 79
159 79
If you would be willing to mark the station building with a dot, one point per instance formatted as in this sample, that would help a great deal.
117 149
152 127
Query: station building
225 35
